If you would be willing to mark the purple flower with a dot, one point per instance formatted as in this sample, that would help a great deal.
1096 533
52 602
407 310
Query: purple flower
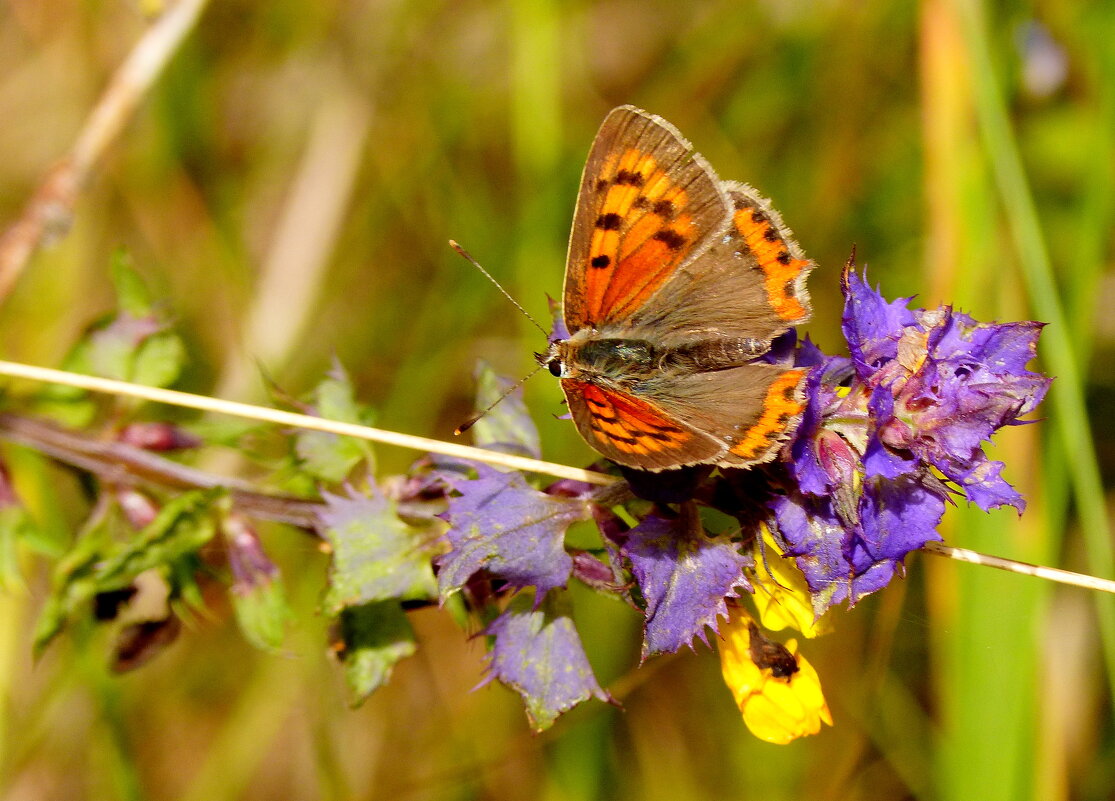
946 386
923 391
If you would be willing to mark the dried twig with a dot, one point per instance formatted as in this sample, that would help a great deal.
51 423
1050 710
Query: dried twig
122 464
50 210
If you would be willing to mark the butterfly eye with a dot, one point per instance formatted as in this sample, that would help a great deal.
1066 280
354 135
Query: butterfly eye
555 367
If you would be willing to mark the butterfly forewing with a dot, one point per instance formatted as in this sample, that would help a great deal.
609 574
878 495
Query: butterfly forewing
647 204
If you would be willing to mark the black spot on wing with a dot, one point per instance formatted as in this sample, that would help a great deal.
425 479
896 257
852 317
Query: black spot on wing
670 238
609 222
630 178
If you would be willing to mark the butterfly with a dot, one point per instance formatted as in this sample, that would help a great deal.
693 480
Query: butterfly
675 283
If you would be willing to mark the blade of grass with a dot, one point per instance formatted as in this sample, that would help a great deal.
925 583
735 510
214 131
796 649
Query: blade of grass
985 641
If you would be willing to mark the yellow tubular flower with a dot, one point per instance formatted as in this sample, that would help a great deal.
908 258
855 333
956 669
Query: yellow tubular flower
777 690
781 594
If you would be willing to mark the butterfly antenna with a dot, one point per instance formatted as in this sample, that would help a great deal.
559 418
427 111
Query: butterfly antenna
498 286
467 424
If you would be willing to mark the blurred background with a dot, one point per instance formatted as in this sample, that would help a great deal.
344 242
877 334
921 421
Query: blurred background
288 188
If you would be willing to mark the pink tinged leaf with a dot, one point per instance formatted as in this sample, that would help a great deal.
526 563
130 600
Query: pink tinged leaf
500 525
376 556
250 566
684 577
595 573
138 508
538 653
258 597
153 436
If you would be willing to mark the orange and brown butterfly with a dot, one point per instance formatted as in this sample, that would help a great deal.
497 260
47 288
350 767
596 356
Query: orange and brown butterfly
676 282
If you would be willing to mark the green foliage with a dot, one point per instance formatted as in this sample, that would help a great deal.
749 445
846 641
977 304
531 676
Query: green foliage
376 555
329 457
15 529
100 564
512 430
374 636
134 344
262 613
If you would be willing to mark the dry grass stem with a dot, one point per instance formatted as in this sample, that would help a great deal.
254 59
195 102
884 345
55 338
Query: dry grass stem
244 410
1024 568
49 212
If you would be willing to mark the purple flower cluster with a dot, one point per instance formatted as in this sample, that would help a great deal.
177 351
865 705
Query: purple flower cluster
892 433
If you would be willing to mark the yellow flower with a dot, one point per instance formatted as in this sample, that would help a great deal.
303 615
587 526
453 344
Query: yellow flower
781 594
777 690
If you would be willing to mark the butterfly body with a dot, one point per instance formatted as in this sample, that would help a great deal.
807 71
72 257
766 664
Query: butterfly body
628 362
676 282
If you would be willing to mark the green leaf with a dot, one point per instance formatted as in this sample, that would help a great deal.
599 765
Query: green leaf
15 528
376 556
98 564
508 425
374 637
158 360
69 406
262 613
329 457
334 397
227 431
182 526
131 293
257 588
133 344
326 457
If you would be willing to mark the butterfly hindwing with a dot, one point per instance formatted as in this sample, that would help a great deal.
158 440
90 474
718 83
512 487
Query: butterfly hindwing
634 431
751 409
647 204
732 418
749 284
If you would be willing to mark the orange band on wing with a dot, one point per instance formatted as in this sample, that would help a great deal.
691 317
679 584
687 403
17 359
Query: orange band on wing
628 424
780 270
781 405
647 264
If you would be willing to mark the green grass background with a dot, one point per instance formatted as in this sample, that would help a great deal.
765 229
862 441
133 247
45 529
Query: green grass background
289 188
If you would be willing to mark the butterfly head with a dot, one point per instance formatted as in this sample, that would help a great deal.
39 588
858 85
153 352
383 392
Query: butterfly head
554 359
